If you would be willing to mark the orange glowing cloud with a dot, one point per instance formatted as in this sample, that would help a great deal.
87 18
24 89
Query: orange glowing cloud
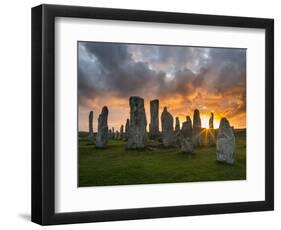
179 106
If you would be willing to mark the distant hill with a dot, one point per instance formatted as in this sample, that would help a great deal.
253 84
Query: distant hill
84 134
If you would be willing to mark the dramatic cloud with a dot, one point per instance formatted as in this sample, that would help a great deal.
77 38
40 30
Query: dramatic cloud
182 78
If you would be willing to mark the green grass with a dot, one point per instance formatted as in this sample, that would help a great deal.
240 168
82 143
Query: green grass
116 165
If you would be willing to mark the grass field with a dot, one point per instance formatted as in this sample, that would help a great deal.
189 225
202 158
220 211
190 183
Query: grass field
117 166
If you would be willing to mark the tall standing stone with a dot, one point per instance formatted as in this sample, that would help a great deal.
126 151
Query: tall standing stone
91 118
186 143
211 133
211 121
127 126
112 133
154 119
196 132
91 130
101 141
109 134
177 126
197 129
187 128
137 132
121 132
225 143
167 121
177 132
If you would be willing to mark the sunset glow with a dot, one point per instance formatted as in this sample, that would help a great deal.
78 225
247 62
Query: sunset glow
205 122
182 78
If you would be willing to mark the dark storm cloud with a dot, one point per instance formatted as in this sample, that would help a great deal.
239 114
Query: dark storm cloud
113 71
223 70
123 70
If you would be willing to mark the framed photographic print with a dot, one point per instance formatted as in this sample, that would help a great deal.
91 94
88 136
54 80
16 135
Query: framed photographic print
141 114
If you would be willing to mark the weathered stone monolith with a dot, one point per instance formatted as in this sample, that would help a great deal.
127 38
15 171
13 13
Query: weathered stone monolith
101 140
211 121
127 126
91 130
137 137
186 146
177 133
167 121
121 137
113 133
196 132
177 126
225 143
116 135
154 119
109 134
211 132
186 130
91 118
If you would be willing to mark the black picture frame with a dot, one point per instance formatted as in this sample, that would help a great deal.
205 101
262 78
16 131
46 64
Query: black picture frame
43 114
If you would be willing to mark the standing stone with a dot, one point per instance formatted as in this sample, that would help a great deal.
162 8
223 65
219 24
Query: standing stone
211 121
167 121
196 132
112 133
187 128
101 141
109 134
91 118
154 119
177 132
211 133
116 135
121 132
177 126
127 126
186 144
91 130
137 137
225 143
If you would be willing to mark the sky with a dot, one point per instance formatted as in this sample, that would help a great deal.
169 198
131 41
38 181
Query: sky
183 78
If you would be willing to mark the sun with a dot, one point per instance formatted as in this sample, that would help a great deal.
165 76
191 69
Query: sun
205 122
